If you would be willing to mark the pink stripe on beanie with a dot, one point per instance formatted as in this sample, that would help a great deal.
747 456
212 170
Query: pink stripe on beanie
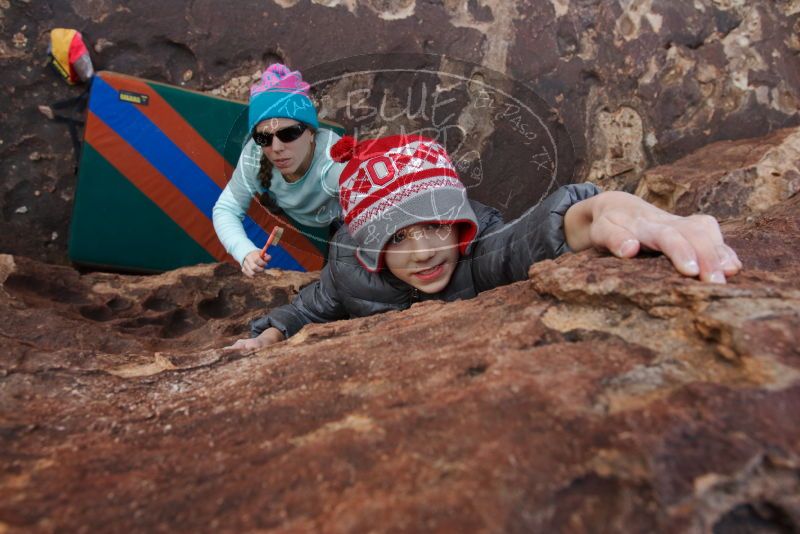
278 78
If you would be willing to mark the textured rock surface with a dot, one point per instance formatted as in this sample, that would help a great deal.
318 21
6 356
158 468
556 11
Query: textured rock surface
728 178
98 321
600 395
636 82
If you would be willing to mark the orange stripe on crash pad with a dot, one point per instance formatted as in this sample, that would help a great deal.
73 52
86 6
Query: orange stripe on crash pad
174 126
154 185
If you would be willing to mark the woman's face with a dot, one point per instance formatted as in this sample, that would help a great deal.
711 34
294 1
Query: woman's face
293 158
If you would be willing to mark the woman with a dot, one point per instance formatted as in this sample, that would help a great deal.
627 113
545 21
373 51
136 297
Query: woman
287 157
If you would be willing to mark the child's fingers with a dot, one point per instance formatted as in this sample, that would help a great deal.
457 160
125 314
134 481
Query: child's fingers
615 237
722 262
703 233
243 346
627 234
694 244
683 253
730 261
238 345
624 237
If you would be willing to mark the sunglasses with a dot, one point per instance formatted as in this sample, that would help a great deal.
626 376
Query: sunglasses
286 135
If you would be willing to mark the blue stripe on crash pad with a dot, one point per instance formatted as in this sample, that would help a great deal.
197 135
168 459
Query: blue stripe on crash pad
159 150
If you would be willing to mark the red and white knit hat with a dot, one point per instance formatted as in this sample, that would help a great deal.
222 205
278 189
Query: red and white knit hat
394 182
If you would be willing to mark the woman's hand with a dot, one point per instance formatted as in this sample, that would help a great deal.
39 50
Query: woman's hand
624 223
253 263
268 337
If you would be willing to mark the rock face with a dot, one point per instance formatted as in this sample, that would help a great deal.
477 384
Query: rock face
728 178
635 83
600 395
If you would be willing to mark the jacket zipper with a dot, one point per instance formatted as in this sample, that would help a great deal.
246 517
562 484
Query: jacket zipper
414 296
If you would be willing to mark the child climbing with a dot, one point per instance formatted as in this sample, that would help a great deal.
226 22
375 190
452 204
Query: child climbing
411 234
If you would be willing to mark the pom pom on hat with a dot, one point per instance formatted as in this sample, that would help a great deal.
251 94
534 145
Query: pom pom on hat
344 149
280 78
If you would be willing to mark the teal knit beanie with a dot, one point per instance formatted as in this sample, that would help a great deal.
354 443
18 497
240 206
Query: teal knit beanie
281 93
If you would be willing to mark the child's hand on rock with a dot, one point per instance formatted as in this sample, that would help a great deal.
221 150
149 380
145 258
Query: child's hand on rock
624 223
268 337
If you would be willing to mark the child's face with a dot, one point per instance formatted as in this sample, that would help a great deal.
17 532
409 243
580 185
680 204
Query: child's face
423 255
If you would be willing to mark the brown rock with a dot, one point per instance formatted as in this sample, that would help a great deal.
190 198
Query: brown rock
602 394
112 322
729 178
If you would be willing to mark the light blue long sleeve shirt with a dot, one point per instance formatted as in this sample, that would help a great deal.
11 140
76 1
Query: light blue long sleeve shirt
313 200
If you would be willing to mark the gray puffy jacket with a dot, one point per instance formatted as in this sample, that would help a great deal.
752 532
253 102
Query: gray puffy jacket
501 254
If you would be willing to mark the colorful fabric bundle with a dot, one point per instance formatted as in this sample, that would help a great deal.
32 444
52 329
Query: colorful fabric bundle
69 55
